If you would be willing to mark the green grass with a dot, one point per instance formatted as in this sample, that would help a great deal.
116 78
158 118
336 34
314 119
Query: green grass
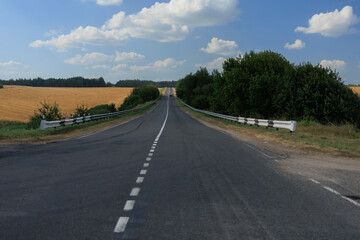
10 131
341 140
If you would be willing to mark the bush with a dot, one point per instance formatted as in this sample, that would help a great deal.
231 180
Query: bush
104 108
1 86
50 111
131 102
140 95
81 110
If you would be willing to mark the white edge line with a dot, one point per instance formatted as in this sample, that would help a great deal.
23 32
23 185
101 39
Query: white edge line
313 180
121 224
258 150
352 201
331 190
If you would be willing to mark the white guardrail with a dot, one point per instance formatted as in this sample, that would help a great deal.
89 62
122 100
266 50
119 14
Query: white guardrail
289 125
61 123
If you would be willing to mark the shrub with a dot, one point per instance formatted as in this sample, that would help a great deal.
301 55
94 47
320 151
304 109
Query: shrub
50 111
1 86
131 102
104 108
81 110
140 95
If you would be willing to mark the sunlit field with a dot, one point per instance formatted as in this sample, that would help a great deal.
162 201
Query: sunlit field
356 90
17 103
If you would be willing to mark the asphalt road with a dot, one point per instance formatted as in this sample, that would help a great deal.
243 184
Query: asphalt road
162 176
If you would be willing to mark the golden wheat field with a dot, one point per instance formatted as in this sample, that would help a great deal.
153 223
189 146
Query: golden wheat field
356 90
17 103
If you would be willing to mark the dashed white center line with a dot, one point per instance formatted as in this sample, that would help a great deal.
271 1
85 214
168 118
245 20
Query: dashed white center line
134 192
139 179
129 205
121 224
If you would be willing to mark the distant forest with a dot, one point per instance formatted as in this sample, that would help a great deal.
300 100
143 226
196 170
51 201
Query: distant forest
52 82
83 82
139 83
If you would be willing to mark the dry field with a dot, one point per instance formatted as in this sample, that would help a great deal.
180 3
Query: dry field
356 90
17 103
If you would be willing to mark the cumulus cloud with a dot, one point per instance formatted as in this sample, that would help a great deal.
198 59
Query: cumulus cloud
159 65
298 44
332 24
221 47
333 64
215 64
128 56
163 22
89 58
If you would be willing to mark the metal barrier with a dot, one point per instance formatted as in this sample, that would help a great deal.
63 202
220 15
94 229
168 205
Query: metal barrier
289 125
61 123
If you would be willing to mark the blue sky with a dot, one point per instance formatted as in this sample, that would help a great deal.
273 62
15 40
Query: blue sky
165 40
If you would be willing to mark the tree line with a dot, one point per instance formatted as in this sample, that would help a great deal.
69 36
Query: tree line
139 83
266 85
83 82
57 82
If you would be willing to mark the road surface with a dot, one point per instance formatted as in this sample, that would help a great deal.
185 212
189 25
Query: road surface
163 175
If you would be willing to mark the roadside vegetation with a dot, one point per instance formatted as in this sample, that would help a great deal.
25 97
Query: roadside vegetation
140 95
266 85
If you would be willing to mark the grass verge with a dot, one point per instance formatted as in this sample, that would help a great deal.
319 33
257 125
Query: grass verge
309 136
16 132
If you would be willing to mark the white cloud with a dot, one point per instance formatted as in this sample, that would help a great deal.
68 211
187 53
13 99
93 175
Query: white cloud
10 63
333 64
119 66
221 47
100 66
215 64
89 58
163 22
128 56
106 2
298 44
109 2
160 65
332 24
